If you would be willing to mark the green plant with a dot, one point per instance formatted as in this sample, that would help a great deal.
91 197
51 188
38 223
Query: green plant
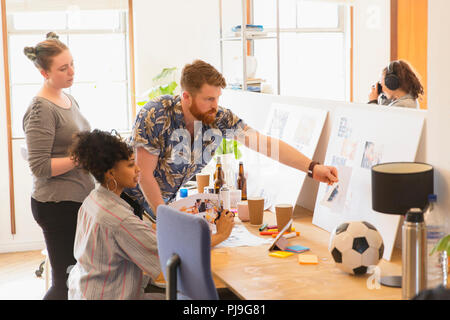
442 245
229 146
166 85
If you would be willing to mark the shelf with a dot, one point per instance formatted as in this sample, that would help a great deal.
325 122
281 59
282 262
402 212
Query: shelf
247 38
248 46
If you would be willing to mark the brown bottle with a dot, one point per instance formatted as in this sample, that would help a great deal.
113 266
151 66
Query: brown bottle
218 164
242 182
219 182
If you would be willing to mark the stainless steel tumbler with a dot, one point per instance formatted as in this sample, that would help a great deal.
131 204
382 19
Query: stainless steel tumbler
414 254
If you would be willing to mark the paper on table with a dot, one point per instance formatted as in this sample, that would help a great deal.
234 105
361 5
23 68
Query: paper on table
241 237
204 205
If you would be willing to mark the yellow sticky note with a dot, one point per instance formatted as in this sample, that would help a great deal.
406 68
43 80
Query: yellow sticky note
280 254
308 259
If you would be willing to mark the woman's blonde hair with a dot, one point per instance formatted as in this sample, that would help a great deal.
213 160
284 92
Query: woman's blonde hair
42 55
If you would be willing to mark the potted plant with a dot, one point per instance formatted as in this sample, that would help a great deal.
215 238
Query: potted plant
443 246
229 147
164 83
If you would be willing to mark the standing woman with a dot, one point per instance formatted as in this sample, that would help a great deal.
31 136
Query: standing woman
59 187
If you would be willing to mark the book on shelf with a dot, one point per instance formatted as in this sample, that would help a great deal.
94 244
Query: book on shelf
255 81
248 27
250 34
253 84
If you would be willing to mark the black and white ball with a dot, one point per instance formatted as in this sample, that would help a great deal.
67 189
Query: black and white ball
355 246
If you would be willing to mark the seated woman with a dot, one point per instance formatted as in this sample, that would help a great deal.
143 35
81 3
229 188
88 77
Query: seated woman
116 252
399 86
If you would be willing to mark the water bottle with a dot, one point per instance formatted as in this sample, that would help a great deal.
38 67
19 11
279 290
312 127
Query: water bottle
414 251
224 197
435 231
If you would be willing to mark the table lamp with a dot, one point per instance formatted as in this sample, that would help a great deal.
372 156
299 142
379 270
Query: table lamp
400 188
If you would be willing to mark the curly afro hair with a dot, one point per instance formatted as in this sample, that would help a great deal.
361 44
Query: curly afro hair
98 151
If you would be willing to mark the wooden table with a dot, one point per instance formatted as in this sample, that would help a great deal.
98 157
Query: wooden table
252 274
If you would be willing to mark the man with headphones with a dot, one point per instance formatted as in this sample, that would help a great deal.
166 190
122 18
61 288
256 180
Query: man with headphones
399 86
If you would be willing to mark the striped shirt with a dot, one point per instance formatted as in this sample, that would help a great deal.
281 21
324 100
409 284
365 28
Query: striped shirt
116 252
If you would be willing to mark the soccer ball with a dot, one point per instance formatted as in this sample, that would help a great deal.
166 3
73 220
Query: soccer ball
355 246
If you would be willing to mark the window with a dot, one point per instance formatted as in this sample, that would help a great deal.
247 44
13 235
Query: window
97 36
314 47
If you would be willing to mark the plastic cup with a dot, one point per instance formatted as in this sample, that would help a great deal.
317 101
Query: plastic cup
242 208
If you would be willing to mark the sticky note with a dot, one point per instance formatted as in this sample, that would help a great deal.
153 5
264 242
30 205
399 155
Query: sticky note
308 259
297 249
280 254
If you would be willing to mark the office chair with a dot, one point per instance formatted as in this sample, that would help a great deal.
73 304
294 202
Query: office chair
184 246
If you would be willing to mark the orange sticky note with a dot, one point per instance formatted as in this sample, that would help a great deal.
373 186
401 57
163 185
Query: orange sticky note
308 259
280 254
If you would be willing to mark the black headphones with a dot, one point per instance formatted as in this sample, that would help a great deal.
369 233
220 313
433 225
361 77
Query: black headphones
391 80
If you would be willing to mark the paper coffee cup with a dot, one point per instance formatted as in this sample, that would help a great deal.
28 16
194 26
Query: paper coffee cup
256 210
202 181
284 214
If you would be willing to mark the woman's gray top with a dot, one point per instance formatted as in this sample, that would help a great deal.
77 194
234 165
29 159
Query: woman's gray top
407 101
49 131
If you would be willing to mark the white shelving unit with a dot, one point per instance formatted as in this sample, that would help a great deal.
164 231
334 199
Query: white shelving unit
246 35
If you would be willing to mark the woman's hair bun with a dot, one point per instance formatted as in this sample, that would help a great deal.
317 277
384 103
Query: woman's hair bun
52 35
30 52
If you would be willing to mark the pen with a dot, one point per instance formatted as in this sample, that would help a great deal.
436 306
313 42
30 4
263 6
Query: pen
268 233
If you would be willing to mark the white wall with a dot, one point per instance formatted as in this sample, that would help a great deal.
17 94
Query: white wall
438 151
371 44
172 33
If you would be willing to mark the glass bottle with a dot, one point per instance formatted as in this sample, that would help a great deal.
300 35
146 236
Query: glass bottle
219 181
242 182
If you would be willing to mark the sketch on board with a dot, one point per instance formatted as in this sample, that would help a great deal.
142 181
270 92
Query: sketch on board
335 196
345 129
304 132
372 155
277 121
299 126
348 149
356 144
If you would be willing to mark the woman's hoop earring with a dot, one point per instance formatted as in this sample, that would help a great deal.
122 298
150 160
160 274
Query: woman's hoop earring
115 185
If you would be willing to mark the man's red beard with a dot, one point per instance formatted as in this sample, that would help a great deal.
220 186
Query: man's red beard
205 117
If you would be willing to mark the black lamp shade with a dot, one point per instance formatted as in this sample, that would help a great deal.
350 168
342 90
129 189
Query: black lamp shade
400 186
